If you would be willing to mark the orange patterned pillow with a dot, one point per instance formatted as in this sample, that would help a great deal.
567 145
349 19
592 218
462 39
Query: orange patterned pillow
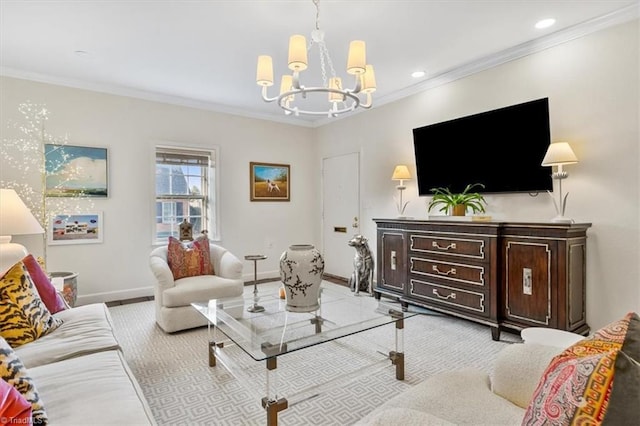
189 260
594 381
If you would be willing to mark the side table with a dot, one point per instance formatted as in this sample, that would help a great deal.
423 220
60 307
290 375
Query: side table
255 257
67 284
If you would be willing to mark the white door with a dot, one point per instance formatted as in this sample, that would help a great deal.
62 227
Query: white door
341 211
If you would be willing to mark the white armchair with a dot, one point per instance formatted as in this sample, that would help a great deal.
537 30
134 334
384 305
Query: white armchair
173 298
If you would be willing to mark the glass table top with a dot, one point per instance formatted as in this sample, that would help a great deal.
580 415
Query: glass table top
276 331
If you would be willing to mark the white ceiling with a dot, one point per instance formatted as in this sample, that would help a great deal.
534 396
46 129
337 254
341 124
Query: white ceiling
203 53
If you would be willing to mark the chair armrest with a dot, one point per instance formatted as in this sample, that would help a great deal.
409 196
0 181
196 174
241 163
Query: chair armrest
230 266
161 271
518 370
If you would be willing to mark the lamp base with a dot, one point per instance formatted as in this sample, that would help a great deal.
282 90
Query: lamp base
562 219
10 253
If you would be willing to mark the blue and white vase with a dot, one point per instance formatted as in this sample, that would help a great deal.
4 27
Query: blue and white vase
301 268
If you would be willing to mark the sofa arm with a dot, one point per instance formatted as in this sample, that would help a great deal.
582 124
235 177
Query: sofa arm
230 266
518 370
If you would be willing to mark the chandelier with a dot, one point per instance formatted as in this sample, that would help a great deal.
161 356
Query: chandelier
340 100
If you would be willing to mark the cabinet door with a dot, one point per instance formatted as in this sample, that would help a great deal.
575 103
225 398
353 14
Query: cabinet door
529 282
393 261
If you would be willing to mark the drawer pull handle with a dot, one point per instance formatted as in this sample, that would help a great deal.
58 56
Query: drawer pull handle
451 271
449 296
450 246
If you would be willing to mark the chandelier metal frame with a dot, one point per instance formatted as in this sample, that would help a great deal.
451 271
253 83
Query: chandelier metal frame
342 100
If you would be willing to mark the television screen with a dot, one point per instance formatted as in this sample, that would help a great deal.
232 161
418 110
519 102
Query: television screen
502 149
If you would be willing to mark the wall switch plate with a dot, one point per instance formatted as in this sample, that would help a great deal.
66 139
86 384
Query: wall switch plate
527 281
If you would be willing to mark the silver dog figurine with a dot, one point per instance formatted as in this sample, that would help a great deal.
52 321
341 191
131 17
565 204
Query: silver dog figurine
362 277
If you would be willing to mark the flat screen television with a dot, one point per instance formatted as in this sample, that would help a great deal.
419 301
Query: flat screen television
501 149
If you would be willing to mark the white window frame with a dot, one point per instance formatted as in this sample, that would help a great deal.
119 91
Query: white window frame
213 196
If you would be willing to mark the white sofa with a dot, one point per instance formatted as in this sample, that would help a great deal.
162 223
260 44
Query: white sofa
471 397
173 298
80 372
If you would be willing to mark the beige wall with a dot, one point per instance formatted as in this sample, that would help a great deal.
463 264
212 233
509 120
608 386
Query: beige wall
592 84
593 90
129 129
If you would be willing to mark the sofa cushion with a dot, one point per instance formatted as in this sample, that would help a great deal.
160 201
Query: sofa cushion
518 369
46 290
460 397
16 374
592 381
94 389
23 317
14 408
190 259
403 416
85 329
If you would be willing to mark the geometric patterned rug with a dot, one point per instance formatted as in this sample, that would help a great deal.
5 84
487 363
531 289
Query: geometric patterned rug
182 389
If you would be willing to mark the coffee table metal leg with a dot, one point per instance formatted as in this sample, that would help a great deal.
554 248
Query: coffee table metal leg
271 403
397 356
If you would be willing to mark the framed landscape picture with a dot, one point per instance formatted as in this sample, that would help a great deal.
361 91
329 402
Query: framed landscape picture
269 182
75 171
82 228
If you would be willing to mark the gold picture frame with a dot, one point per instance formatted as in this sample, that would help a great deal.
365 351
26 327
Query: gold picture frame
269 181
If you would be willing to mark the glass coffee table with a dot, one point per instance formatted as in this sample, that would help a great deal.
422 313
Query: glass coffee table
274 332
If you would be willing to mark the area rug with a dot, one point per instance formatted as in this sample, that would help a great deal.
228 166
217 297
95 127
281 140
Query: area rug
182 389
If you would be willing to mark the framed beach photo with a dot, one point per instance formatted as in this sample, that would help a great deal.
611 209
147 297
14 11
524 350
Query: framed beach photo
75 171
82 228
269 182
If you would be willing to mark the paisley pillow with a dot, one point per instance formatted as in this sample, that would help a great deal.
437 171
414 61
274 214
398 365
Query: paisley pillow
23 317
592 382
14 372
189 260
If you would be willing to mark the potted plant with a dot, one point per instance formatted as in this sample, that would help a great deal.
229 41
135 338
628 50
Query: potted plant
458 203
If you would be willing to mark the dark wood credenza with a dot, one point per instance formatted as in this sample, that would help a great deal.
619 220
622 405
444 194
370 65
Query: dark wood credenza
505 275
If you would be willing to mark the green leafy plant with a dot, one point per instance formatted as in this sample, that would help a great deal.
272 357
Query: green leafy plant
447 200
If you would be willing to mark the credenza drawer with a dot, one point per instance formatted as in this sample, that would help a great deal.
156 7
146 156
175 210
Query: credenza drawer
473 248
450 271
473 301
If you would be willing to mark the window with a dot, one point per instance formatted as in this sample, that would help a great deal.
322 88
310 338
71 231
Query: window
185 189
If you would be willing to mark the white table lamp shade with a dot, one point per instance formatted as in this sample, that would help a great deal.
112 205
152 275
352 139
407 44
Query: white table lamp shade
559 153
15 219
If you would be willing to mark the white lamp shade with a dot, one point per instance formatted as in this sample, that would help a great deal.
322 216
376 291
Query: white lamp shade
369 80
401 172
335 83
286 83
15 217
357 60
559 153
264 72
297 53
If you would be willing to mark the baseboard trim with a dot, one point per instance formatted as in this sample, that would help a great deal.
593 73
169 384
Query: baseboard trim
111 296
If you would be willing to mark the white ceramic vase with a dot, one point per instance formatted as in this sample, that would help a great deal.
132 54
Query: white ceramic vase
301 268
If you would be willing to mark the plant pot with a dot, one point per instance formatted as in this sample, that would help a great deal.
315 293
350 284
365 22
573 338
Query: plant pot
301 268
459 210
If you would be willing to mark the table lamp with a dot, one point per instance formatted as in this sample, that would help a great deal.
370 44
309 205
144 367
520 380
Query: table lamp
559 154
401 173
15 219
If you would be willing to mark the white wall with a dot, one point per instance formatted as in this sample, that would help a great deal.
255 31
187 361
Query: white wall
593 90
118 268
592 84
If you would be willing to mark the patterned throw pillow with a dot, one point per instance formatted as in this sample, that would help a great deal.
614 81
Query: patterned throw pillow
594 381
46 290
190 259
23 317
14 408
14 372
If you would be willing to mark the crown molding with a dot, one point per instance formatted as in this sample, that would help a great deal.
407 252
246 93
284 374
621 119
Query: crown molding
619 16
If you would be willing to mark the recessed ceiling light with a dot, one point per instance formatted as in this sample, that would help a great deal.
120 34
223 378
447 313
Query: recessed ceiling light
418 74
545 23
